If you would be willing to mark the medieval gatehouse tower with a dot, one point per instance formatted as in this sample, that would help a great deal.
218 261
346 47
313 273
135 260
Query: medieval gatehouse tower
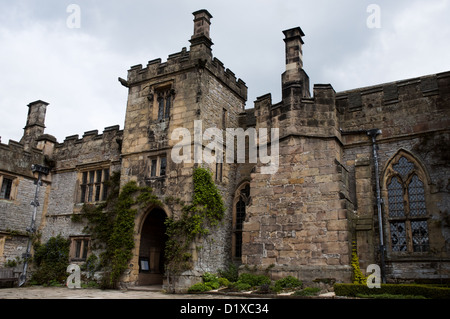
365 169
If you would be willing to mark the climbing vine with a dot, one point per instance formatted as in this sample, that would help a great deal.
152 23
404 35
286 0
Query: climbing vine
111 225
206 210
358 277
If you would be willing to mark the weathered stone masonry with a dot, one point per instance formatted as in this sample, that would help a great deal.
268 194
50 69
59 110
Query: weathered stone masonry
300 221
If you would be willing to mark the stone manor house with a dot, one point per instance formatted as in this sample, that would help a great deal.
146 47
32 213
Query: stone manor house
367 168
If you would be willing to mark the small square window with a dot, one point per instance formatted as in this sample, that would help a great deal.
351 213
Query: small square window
79 248
5 192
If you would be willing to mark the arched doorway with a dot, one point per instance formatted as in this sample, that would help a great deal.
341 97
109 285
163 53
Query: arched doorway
151 248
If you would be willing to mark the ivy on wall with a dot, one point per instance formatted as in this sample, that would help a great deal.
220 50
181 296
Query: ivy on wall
206 210
51 260
111 226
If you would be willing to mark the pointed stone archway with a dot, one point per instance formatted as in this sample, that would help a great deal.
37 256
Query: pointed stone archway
151 248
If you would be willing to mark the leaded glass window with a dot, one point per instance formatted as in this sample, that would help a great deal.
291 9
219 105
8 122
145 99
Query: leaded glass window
241 202
416 193
398 236
403 167
395 198
406 205
164 100
419 230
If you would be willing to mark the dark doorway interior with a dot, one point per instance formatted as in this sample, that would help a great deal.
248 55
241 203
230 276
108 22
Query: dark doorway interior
151 250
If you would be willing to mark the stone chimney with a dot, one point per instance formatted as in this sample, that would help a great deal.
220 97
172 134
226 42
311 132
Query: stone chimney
294 74
201 40
35 124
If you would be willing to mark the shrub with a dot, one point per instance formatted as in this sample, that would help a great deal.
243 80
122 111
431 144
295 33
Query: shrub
287 283
210 282
224 282
231 273
308 291
253 280
208 277
240 286
51 259
199 287
352 290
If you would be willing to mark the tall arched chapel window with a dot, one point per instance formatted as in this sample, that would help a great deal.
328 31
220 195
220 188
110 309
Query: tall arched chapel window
240 204
406 205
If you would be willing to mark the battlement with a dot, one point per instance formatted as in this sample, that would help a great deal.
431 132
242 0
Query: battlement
17 160
183 62
108 133
395 105
393 92
198 58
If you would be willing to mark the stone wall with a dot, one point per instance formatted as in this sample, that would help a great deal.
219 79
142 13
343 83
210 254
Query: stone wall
413 116
16 212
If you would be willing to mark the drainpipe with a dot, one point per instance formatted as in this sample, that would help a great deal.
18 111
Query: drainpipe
41 170
373 133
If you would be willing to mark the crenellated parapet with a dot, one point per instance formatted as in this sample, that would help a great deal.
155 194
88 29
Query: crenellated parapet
412 106
92 147
198 58
182 62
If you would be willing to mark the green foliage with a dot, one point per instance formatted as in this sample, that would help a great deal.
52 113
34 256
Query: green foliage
358 277
308 291
198 287
223 282
240 286
352 290
206 210
253 280
288 282
390 296
210 282
51 259
208 277
231 273
111 225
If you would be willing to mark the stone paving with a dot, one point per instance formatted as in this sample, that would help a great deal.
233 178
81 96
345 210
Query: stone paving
149 292
39 292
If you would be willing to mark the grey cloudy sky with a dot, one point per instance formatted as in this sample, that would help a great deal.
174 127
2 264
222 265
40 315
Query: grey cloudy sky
76 69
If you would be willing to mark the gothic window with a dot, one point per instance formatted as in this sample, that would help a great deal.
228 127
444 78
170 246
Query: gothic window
406 205
241 202
164 100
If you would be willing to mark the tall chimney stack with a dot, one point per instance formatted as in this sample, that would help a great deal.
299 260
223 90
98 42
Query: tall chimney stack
201 40
294 74
35 123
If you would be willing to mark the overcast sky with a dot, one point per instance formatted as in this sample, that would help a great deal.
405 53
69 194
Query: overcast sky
76 69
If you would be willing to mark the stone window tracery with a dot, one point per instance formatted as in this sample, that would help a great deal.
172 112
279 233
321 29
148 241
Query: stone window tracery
164 102
406 205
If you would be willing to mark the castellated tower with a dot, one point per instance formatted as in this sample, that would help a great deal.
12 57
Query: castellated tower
163 96
299 217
